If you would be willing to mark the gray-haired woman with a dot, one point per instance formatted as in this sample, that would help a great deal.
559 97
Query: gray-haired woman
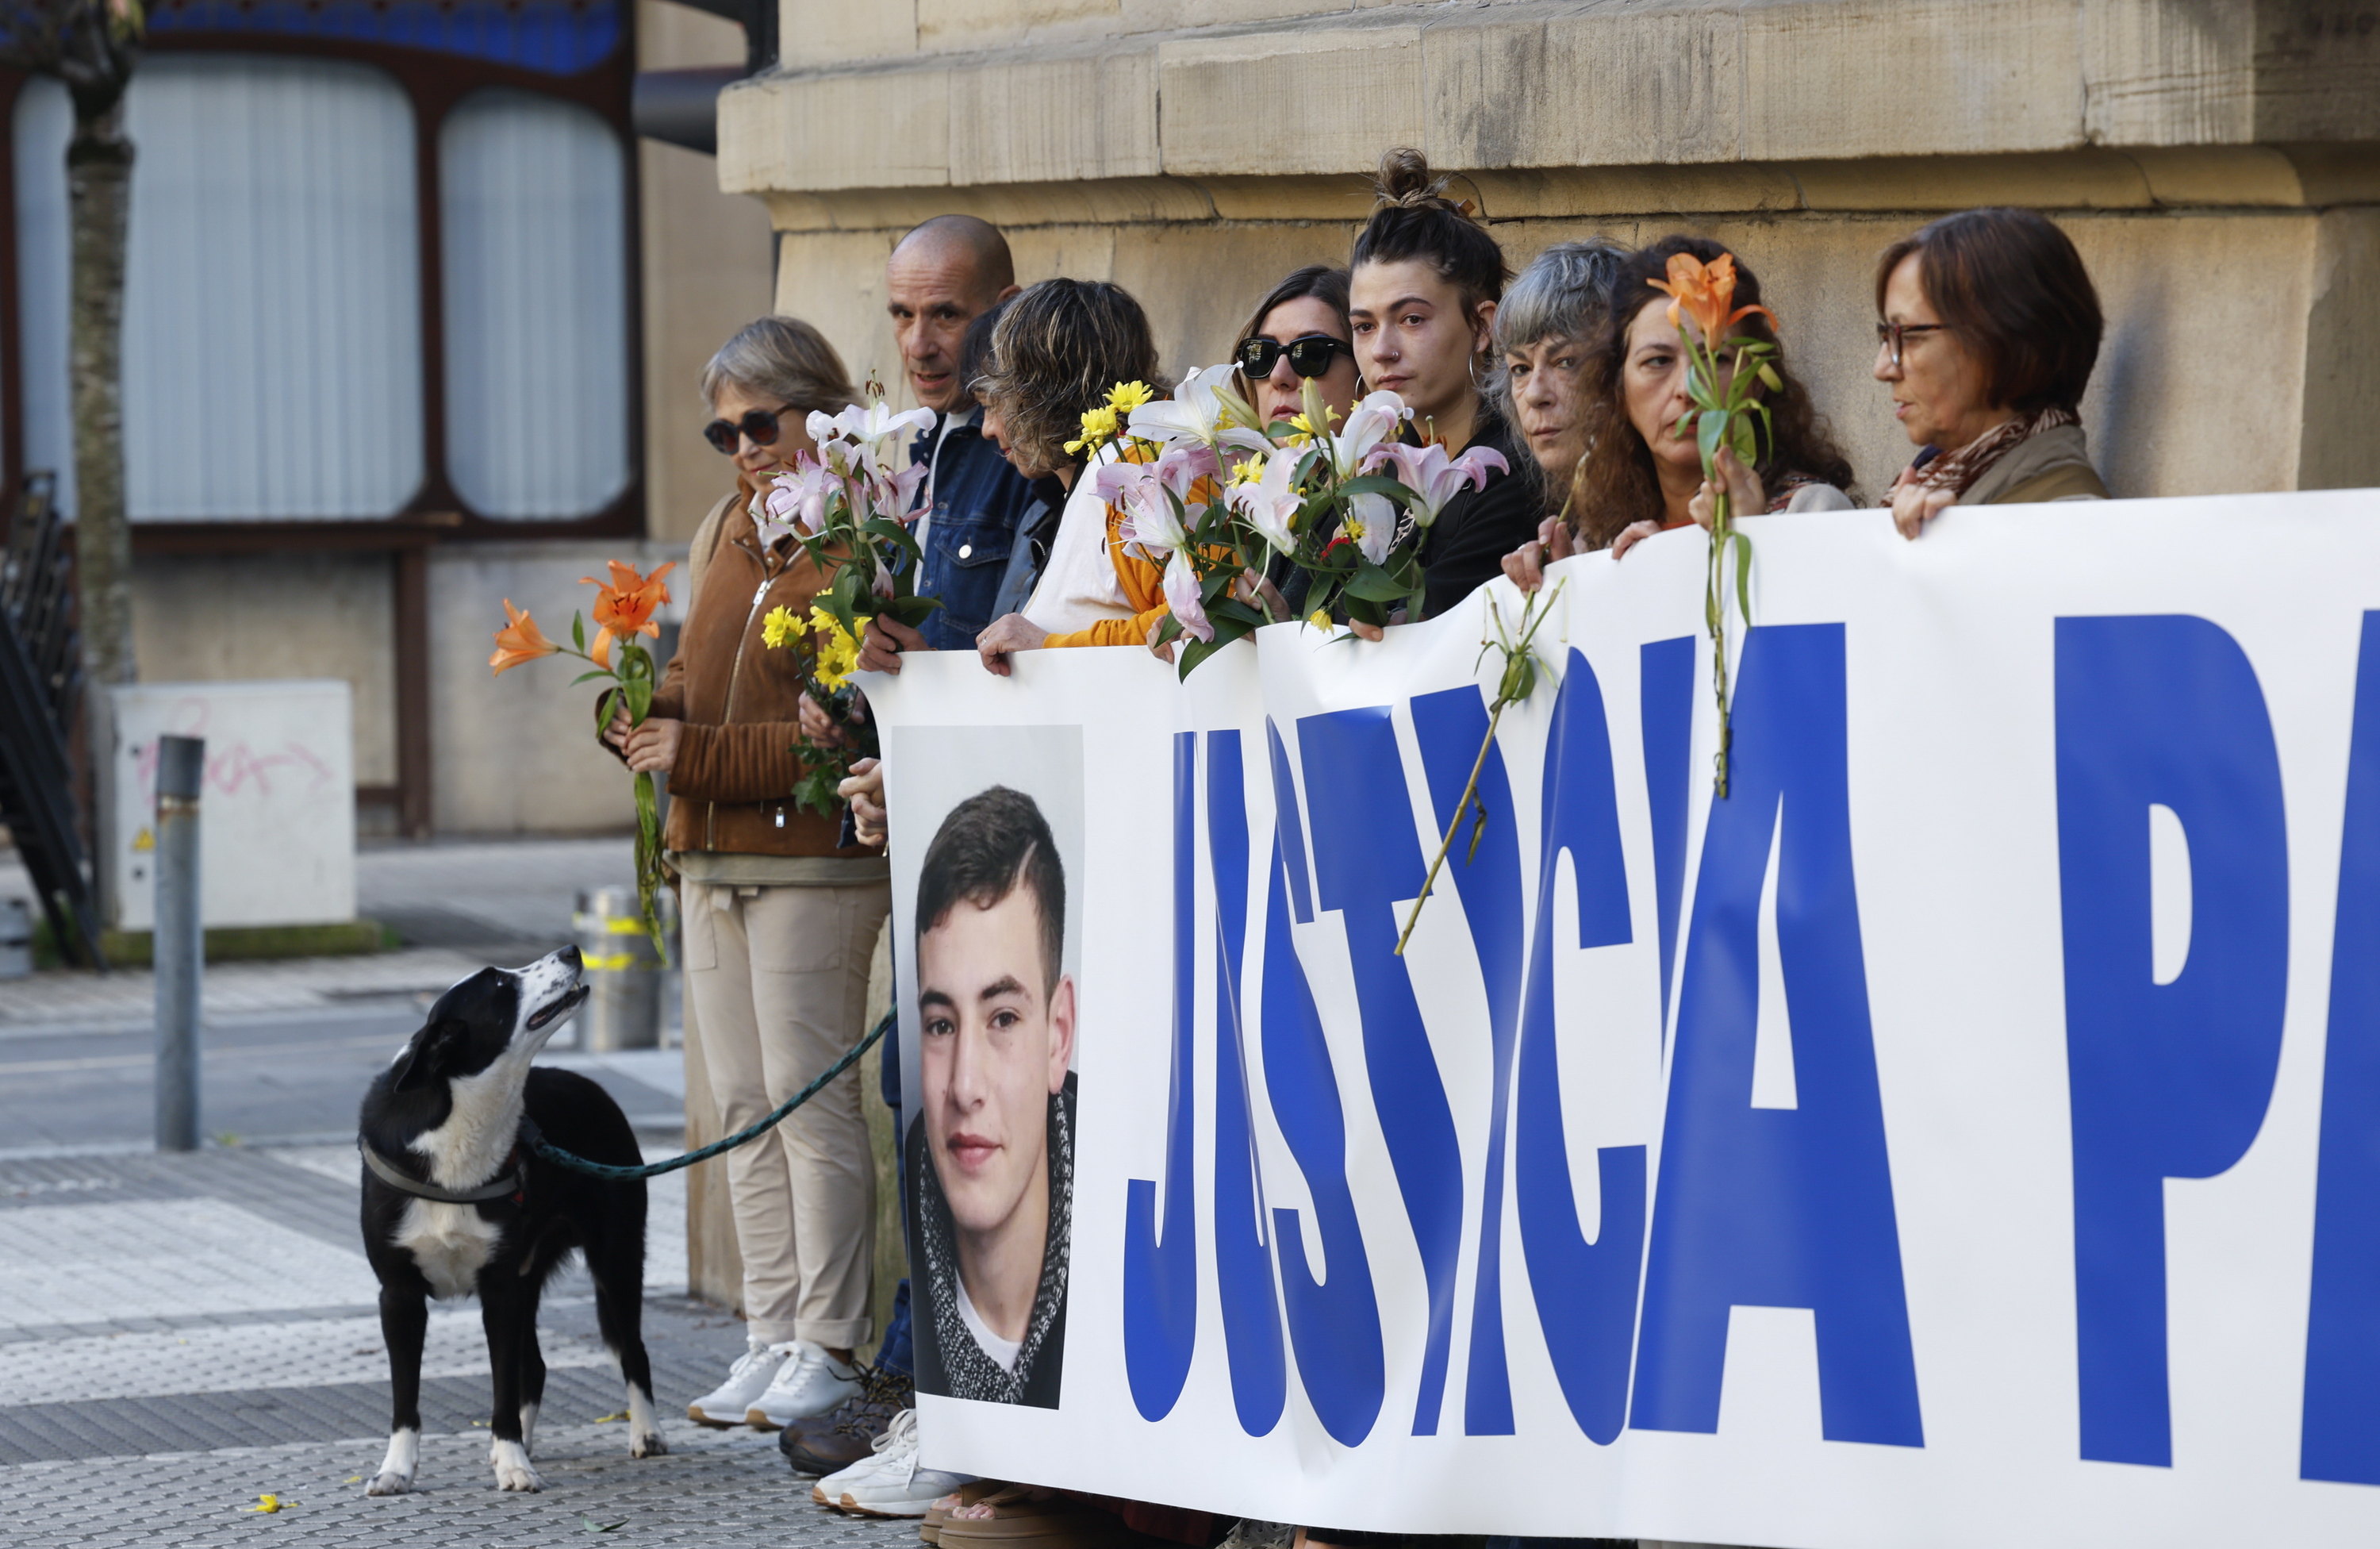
781 918
1545 331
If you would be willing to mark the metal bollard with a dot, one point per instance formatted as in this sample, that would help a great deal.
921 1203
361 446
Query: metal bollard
625 1011
179 940
15 938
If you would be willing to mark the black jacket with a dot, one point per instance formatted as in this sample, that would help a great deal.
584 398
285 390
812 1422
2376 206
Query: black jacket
1466 545
949 1361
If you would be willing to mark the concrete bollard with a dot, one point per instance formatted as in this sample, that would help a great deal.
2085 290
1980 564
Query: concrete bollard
179 942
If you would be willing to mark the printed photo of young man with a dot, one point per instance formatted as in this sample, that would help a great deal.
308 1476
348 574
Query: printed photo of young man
991 1153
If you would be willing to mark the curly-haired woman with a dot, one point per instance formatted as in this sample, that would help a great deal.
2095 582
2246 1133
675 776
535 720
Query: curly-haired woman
1639 476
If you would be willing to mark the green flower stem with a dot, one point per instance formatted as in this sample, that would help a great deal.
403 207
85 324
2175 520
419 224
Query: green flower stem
1517 682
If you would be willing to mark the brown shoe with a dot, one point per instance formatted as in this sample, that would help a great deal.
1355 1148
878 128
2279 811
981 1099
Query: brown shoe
832 1442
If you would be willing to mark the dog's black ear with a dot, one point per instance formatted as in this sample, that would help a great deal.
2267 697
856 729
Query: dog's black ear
419 1064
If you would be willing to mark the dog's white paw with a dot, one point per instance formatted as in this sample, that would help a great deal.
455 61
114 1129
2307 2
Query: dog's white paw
395 1476
513 1469
647 1443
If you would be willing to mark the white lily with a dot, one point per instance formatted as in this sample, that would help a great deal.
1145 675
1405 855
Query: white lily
1370 523
1378 418
1205 410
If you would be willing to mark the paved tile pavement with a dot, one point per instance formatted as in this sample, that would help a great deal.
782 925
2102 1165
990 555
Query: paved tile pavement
180 1335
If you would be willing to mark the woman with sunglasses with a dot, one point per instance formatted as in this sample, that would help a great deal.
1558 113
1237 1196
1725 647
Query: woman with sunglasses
1298 333
1422 292
1987 326
780 918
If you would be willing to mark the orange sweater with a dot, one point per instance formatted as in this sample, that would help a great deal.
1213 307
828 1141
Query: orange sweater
1144 587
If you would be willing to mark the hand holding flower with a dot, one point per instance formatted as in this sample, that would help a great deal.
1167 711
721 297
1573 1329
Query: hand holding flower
651 748
1744 493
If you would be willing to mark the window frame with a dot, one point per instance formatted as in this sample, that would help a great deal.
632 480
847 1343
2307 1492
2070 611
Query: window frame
433 83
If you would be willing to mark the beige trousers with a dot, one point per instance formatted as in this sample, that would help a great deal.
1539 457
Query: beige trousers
779 980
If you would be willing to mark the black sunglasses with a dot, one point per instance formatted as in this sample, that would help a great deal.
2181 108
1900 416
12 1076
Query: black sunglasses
761 424
1308 356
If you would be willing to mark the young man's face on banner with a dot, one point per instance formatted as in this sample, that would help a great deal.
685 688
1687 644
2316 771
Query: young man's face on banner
994 1045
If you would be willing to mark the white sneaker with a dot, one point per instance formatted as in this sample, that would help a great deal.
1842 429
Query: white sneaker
831 1490
731 1401
896 1486
810 1384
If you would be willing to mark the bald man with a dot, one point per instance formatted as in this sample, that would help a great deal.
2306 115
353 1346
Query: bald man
941 276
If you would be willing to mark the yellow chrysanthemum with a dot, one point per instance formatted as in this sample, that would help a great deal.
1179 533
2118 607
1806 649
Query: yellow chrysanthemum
838 648
1125 396
1099 425
1320 619
780 628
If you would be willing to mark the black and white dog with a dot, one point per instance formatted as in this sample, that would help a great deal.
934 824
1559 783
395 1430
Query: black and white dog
456 1205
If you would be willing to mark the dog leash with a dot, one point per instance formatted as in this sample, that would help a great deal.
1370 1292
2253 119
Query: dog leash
547 1150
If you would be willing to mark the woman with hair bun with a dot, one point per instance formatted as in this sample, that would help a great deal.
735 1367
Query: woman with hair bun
1425 281
1987 326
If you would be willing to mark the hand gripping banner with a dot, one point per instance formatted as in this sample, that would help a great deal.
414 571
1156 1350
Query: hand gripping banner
1964 1132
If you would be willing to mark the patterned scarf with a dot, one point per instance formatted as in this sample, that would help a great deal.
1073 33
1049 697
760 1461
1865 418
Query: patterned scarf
1956 472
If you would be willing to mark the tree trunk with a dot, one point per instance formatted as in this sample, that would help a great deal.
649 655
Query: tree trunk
98 190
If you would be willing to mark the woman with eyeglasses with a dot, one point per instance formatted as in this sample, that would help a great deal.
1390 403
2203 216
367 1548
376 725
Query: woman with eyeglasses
1423 290
1639 477
779 920
1987 326
1298 333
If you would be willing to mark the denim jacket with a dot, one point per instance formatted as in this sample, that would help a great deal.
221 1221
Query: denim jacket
978 499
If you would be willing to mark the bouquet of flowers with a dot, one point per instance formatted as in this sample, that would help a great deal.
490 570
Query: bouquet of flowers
1723 375
845 505
623 610
1212 496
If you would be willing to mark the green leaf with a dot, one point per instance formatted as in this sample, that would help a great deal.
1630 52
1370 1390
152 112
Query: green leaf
1374 584
1743 576
604 706
583 677
1706 439
578 632
1238 613
1380 483
640 697
1740 441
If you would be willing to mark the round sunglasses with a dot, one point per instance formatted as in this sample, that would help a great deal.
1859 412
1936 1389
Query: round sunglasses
1308 355
761 424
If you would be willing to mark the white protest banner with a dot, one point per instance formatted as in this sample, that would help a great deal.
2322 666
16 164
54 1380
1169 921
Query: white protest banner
1967 1131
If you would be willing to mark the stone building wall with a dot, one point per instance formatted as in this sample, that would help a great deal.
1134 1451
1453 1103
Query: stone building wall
2219 164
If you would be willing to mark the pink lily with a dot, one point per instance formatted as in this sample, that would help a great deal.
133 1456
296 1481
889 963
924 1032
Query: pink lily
1270 504
1436 477
1183 596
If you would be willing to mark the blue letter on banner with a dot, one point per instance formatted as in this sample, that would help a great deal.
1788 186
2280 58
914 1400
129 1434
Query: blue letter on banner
1665 710
1586 1292
1160 1279
1485 863
2164 1080
1366 858
1769 1207
1334 1324
1242 1263
2341 1439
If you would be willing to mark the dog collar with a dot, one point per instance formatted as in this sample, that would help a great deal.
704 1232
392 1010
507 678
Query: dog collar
506 1185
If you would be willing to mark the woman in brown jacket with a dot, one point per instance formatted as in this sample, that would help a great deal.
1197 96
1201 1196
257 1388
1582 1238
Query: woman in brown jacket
779 924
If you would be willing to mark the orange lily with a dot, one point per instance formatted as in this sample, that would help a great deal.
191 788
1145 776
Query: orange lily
625 606
1705 292
520 640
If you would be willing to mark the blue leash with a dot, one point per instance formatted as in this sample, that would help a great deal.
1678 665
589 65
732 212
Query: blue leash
548 1151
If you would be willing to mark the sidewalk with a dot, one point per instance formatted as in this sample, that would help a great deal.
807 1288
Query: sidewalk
203 1329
